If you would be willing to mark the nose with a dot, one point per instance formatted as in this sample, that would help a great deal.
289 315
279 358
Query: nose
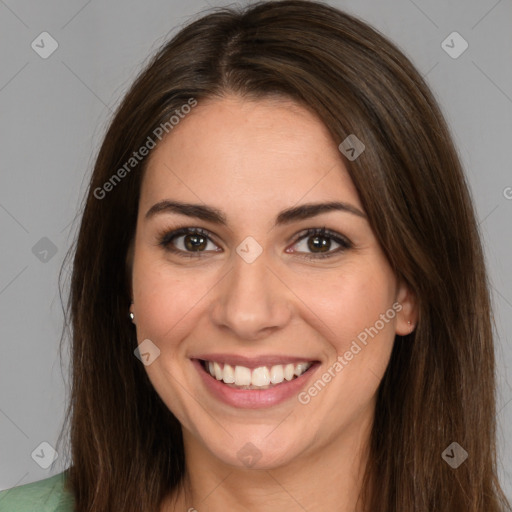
252 300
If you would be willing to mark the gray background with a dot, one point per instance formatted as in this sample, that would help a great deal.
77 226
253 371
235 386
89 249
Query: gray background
54 112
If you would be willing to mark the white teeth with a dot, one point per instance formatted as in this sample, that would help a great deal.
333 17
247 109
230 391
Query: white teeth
261 377
229 374
242 376
277 374
289 371
300 369
218 371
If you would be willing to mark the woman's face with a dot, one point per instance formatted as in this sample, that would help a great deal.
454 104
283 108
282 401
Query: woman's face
253 290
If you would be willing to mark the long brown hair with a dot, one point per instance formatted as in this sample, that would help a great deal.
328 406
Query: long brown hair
439 387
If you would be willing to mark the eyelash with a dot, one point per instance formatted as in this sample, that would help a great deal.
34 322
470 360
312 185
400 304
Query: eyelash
165 238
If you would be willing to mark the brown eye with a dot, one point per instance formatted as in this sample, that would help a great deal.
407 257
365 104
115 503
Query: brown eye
187 241
319 243
195 242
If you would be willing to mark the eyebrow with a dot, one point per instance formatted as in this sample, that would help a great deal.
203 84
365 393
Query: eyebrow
216 216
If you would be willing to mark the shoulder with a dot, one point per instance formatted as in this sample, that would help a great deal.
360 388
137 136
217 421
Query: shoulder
48 495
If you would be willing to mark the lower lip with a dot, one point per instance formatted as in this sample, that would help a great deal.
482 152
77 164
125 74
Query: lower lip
254 398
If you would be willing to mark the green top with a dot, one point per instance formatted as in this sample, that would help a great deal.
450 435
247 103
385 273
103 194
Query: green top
46 495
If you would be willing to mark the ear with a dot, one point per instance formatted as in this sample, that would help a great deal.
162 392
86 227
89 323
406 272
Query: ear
409 309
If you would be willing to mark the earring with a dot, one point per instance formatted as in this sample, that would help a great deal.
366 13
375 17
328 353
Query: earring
130 314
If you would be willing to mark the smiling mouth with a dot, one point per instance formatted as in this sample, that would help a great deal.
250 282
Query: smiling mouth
262 377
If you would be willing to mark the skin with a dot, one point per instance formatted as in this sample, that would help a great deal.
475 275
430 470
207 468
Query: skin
252 159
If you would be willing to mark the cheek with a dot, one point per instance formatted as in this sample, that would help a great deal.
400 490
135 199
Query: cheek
347 302
165 302
358 311
167 308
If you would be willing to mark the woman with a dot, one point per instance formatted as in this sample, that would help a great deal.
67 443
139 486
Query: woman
279 298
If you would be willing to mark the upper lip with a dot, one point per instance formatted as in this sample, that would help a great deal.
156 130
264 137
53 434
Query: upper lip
253 362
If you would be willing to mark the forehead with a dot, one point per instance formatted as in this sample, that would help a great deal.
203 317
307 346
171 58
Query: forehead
270 151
